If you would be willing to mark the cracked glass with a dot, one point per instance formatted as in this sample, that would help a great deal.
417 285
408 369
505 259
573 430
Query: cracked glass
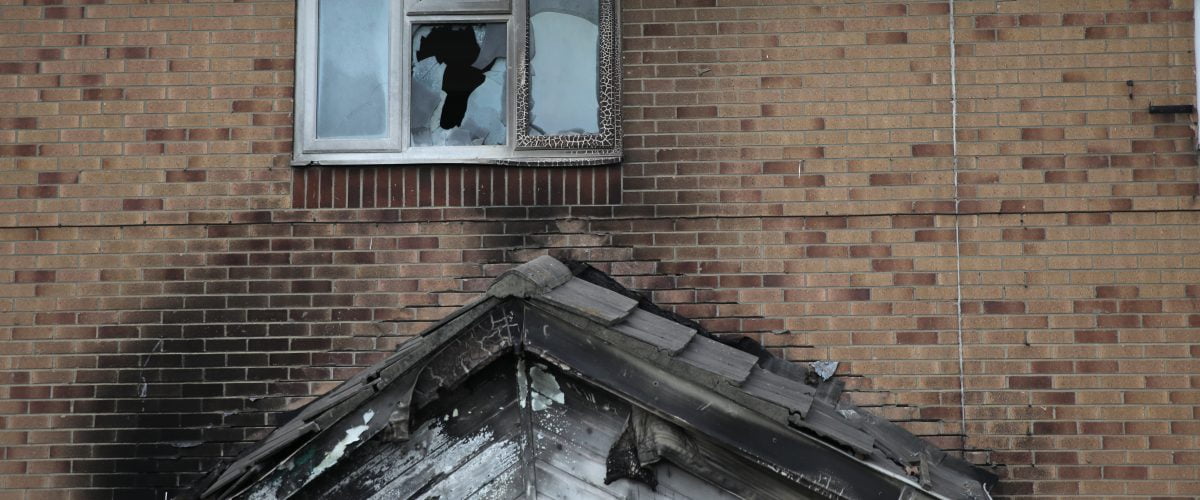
459 84
352 69
564 45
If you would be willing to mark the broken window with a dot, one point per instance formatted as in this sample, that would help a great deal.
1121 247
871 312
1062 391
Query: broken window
466 81
459 84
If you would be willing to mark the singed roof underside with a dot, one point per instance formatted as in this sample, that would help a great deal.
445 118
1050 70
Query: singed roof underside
774 415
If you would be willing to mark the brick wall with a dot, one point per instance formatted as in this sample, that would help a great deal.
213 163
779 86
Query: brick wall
171 285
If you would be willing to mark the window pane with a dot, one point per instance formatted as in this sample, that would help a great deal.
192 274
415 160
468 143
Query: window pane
564 55
459 84
352 68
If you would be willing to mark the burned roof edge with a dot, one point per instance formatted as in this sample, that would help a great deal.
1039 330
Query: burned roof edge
742 371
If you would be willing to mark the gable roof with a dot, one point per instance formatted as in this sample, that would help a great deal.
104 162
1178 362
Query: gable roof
779 415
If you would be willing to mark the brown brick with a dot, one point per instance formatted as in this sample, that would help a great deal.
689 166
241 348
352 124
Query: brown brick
104 94
1126 18
1066 176
128 52
1117 292
916 338
1003 307
1103 32
1082 19
15 68
1039 20
1089 219
890 179
850 294
886 38
1042 134
696 111
932 149
1149 4
208 134
62 12
925 235
1054 428
1030 382
1125 472
1024 234
142 204
1096 336
35 276
1043 162
252 106
186 176
58 177
18 150
781 82
161 134
16 123
273 64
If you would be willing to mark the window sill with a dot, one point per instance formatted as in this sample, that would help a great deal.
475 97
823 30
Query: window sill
360 160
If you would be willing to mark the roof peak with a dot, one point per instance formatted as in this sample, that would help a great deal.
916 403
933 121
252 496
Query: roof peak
536 277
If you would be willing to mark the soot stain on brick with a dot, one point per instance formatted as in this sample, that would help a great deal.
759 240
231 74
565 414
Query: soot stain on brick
194 379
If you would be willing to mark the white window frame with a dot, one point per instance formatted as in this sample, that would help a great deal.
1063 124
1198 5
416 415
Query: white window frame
395 148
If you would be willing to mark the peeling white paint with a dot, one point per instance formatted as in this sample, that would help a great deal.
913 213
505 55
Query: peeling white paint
522 383
390 478
545 388
352 435
267 491
825 369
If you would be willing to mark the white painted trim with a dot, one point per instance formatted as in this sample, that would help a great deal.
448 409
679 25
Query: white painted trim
305 118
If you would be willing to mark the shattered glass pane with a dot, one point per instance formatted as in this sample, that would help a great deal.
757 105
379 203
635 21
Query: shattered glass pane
459 84
563 57
352 68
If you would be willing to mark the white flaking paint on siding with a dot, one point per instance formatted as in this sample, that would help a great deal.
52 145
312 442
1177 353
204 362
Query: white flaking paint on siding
352 435
545 388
